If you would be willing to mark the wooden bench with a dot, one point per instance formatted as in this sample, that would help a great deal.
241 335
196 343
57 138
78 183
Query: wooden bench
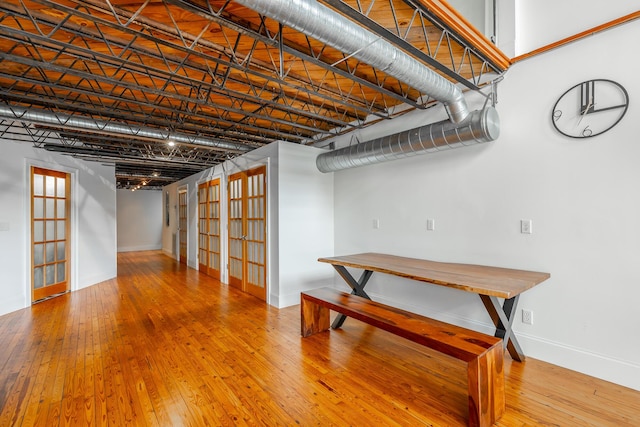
482 353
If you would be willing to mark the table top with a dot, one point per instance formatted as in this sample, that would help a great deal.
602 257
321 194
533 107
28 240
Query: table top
480 279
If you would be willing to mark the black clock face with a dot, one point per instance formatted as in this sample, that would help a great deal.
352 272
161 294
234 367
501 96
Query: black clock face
590 108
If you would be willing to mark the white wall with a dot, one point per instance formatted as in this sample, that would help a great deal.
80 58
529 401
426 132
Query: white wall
506 27
305 222
93 250
139 219
581 195
300 217
475 12
540 22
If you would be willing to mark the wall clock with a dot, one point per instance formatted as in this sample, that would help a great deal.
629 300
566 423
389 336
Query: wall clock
590 108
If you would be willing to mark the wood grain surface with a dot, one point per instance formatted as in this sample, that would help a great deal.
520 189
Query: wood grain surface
482 354
163 345
479 279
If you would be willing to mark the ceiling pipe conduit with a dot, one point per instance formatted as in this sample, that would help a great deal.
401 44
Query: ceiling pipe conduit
333 29
47 118
480 126
463 127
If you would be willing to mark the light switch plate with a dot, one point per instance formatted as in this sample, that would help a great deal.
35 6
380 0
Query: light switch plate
526 226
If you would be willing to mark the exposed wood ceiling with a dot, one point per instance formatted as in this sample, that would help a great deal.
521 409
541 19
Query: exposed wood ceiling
216 77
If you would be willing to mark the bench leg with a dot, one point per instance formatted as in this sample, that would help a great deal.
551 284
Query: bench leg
314 318
486 387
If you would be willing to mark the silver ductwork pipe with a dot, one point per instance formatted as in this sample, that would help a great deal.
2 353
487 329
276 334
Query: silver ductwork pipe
480 126
333 29
47 118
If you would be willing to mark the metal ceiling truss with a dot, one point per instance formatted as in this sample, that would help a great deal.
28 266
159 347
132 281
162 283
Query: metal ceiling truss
107 75
437 38
158 64
155 164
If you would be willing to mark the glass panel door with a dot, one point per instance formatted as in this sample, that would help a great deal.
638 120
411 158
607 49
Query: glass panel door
214 229
248 232
50 209
236 230
182 225
256 258
209 227
203 228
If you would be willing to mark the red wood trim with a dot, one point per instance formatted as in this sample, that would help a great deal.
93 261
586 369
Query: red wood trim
606 26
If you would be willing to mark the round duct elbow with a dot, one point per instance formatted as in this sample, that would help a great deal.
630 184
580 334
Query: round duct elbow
479 126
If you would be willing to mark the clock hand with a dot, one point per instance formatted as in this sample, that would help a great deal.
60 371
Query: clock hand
614 107
584 113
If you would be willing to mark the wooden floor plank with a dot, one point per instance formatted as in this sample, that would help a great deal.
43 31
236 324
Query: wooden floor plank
163 345
51 351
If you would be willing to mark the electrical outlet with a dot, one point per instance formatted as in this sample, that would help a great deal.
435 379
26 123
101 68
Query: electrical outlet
527 317
376 224
526 226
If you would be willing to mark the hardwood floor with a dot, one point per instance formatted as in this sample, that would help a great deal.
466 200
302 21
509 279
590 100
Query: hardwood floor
163 345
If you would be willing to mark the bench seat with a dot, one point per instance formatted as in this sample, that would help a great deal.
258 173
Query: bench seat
482 353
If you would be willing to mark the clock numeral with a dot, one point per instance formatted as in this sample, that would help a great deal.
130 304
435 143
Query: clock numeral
557 114
586 132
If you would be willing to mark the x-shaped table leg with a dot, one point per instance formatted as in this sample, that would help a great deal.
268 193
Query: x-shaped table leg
357 288
502 317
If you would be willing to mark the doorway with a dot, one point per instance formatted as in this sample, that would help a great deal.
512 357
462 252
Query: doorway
247 196
209 228
182 225
50 225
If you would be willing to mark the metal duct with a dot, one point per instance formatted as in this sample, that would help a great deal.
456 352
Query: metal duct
329 27
479 126
47 118
144 176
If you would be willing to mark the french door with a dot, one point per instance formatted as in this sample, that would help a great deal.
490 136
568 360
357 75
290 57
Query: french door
50 225
182 225
209 228
248 231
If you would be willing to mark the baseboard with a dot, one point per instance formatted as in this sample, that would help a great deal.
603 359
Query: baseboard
282 301
140 248
19 302
168 253
85 282
618 371
13 303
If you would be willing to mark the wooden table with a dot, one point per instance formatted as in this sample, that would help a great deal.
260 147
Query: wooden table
490 283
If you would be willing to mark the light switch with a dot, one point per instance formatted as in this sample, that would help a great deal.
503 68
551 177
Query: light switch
431 224
526 226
